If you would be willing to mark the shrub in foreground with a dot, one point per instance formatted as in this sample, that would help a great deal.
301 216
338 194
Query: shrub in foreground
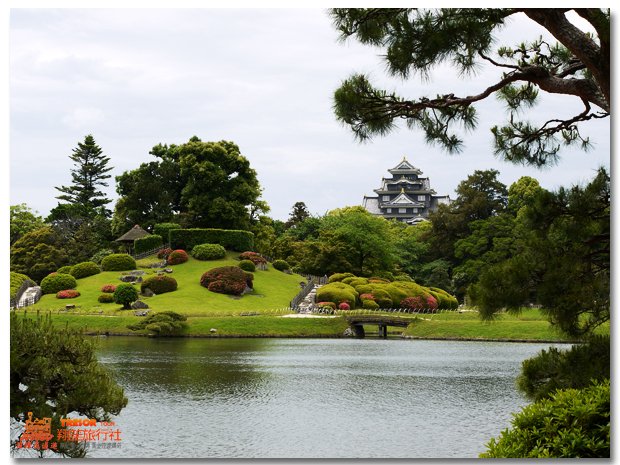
125 295
177 257
106 298
281 265
57 282
84 270
162 324
247 265
159 284
227 280
118 262
572 423
67 294
208 252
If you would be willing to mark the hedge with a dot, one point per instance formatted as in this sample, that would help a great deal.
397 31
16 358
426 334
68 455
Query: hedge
159 284
228 238
118 262
163 230
147 243
54 283
84 270
208 252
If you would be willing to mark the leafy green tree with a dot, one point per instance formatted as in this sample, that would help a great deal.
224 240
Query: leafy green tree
125 295
88 175
299 213
38 253
521 192
55 372
418 40
23 220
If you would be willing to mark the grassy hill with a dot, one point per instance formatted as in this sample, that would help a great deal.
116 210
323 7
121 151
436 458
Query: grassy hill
273 290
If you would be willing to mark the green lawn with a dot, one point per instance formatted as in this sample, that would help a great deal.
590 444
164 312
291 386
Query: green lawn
273 289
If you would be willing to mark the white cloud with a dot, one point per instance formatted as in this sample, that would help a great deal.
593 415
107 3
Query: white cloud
83 118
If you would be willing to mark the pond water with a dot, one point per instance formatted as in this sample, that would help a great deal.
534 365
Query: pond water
312 398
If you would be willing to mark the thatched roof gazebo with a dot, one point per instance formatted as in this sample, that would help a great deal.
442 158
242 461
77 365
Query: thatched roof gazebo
134 233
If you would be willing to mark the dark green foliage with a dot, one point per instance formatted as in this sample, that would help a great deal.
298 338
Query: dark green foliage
23 220
298 215
176 257
208 252
337 292
65 269
229 239
162 324
371 305
159 284
125 295
227 280
417 41
17 279
100 255
62 375
118 262
574 368
247 265
144 244
51 284
91 168
105 298
38 253
163 230
84 269
281 265
572 423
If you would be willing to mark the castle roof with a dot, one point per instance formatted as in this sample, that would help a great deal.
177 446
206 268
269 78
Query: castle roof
404 167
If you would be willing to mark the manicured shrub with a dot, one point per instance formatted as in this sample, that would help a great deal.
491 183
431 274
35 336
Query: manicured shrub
420 303
125 295
572 423
67 294
331 305
162 324
370 304
367 297
64 269
355 281
281 265
118 262
377 280
146 243
163 230
159 284
247 265
54 283
337 277
227 238
84 269
106 298
163 253
337 292
208 252
227 280
108 288
254 257
445 300
177 257
344 306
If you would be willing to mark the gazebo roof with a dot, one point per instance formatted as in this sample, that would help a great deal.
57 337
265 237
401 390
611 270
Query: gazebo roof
134 233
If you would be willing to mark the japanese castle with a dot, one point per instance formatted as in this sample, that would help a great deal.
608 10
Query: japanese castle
406 196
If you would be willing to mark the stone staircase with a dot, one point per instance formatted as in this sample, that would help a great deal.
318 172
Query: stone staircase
307 304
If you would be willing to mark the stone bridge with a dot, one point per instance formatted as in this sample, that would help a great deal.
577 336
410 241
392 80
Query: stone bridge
383 321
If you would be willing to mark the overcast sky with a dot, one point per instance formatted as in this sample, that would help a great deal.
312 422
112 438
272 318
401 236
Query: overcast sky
262 78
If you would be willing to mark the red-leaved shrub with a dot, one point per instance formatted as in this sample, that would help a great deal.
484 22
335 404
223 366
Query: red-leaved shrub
109 288
331 305
177 257
344 306
227 280
256 258
163 253
67 294
428 304
367 297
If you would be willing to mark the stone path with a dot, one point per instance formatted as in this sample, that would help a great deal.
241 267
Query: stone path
30 296
307 304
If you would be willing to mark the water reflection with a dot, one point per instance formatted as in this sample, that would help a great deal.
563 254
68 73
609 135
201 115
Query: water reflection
312 398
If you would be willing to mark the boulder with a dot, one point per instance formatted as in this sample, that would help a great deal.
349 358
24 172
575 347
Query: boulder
147 293
138 304
348 333
213 330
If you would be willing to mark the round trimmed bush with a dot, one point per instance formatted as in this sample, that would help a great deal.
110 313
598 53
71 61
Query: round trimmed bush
337 277
125 295
85 269
67 294
281 265
177 257
106 298
367 297
108 288
337 292
370 304
226 280
247 265
208 252
256 258
163 253
331 305
159 284
118 262
344 306
64 269
57 282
